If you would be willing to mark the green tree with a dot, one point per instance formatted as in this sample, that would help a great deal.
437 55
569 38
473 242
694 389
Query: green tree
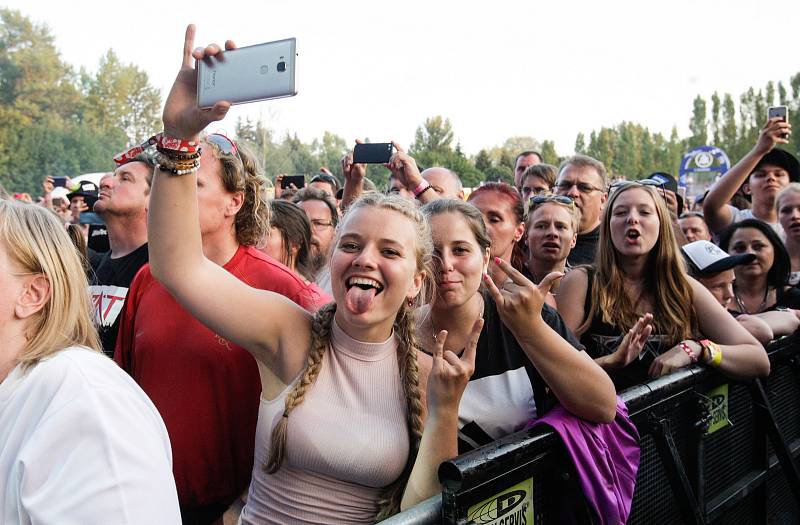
120 96
435 135
549 154
698 125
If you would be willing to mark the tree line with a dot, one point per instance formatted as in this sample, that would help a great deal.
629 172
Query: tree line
58 121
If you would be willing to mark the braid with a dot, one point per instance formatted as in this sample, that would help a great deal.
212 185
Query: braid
320 340
409 376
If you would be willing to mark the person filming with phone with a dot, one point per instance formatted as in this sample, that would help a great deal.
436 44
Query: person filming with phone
762 174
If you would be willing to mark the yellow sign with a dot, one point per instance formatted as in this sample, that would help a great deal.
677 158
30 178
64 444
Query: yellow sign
513 506
717 404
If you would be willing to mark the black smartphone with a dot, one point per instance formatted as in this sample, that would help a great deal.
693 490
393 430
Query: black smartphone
374 153
59 182
781 112
298 180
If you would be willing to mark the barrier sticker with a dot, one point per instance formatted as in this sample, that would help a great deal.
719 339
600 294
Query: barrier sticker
717 404
513 506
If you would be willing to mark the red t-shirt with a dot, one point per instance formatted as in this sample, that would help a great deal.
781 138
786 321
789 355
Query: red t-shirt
206 388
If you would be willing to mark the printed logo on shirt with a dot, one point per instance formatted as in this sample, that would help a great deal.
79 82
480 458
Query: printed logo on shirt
107 302
513 506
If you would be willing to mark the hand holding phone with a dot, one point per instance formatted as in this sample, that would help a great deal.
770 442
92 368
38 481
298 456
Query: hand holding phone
299 181
781 112
247 74
60 182
373 153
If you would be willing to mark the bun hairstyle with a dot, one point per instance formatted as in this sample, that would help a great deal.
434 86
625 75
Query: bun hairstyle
404 330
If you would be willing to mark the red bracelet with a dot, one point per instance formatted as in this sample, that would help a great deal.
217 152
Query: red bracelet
686 348
163 142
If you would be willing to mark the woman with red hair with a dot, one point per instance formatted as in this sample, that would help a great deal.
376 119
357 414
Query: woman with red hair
502 210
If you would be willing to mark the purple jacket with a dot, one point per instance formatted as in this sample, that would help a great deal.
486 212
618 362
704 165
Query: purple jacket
606 458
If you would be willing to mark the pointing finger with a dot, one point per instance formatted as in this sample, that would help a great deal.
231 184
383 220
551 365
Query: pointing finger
188 45
516 276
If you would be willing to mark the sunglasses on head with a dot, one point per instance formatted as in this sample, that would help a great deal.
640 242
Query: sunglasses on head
642 182
560 199
226 145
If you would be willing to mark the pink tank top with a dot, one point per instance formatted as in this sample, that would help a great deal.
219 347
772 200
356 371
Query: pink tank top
347 441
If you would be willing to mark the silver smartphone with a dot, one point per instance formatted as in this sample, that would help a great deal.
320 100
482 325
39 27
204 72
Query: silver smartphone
247 74
781 112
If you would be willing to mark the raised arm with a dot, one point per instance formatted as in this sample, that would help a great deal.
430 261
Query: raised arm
580 385
716 213
404 167
251 318
353 179
448 378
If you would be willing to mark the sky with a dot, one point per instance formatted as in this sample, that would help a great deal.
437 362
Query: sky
496 69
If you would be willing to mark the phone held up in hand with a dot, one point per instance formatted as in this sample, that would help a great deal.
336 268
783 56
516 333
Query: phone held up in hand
781 112
59 182
374 153
247 74
299 181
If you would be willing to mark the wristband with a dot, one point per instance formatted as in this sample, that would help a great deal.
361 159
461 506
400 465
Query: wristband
421 188
713 350
163 143
686 348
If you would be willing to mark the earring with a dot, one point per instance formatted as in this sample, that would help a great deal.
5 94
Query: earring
410 302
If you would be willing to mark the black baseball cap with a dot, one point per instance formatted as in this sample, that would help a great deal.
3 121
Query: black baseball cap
706 258
782 159
668 182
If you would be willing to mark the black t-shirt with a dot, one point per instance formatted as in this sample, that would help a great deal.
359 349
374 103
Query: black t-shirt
585 248
109 287
505 391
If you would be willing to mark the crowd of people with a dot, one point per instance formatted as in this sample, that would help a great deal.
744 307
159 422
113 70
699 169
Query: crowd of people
314 357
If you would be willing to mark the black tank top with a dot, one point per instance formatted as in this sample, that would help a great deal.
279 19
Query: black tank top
602 338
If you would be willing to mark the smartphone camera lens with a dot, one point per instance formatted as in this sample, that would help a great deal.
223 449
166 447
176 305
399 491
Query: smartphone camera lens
281 67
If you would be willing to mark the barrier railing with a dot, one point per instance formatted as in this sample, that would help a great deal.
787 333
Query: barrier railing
713 450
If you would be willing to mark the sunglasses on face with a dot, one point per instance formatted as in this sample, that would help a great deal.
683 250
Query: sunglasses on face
583 187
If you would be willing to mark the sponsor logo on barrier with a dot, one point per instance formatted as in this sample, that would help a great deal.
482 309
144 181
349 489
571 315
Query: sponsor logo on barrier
717 403
513 506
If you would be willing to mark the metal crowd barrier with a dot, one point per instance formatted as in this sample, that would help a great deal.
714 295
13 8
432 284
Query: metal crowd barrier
713 451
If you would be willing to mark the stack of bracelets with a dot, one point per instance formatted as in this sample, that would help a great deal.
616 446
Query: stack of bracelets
710 352
176 156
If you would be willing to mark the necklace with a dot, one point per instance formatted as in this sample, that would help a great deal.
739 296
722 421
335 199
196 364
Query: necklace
743 308
435 332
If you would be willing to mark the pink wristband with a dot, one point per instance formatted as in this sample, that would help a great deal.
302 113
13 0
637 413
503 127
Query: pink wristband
422 186
686 348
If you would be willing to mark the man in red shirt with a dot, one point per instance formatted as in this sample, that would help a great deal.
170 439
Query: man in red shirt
206 388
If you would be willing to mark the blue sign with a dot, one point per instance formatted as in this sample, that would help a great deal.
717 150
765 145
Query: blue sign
703 159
